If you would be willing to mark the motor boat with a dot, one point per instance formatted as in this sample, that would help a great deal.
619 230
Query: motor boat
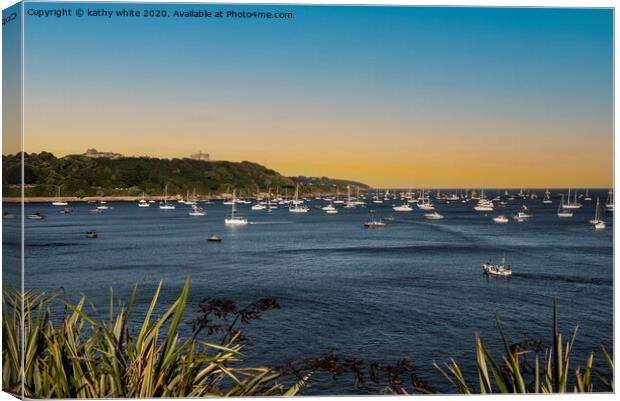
500 219
434 216
497 270
402 208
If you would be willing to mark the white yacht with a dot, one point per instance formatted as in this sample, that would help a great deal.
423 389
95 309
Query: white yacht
598 222
338 201
571 205
484 204
235 220
609 203
587 196
349 204
376 198
329 207
297 206
562 211
143 202
426 203
501 219
331 210
402 208
58 201
165 205
191 201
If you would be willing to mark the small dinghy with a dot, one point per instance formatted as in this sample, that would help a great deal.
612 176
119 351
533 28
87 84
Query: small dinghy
497 270
214 238
375 224
35 216
500 219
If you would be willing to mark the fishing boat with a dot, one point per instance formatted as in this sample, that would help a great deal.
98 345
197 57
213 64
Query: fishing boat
235 220
374 223
547 198
58 201
500 270
522 215
402 208
525 212
562 211
433 216
164 205
197 211
501 219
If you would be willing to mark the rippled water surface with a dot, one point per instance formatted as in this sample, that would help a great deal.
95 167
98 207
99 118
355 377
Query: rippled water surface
414 289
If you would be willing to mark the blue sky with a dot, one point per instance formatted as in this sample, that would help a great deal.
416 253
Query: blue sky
403 84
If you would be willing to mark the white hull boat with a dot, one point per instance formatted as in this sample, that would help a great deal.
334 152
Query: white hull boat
500 270
500 219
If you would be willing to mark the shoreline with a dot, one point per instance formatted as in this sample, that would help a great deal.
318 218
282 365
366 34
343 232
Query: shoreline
86 199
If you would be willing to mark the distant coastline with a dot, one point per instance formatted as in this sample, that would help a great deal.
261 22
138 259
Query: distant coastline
117 177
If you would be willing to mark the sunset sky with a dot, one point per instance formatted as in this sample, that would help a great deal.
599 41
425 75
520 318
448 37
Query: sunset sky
393 97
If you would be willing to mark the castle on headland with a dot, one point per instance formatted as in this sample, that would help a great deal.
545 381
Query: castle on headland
200 156
93 153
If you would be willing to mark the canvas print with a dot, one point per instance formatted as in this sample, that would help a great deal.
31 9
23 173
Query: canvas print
254 200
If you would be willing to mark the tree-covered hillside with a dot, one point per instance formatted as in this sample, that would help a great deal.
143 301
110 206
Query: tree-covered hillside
130 176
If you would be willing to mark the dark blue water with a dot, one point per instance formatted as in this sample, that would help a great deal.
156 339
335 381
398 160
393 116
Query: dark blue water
413 290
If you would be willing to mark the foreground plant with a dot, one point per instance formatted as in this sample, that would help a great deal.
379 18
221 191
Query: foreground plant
83 357
512 373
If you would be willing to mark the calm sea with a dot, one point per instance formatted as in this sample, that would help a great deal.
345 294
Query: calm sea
413 290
